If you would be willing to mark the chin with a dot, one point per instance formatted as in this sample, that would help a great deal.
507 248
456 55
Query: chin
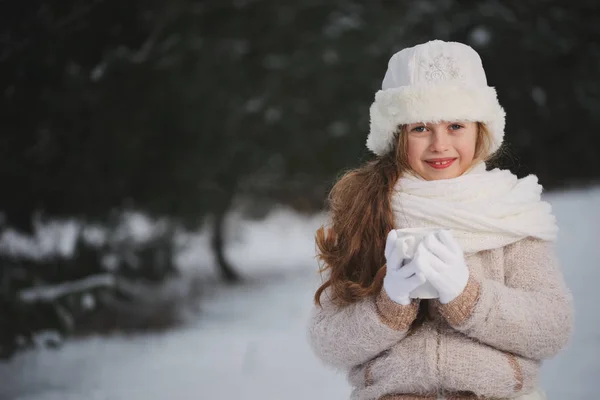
438 175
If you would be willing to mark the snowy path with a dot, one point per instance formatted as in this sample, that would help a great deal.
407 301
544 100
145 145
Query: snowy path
250 346
250 342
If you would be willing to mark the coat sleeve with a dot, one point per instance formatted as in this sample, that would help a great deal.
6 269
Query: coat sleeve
530 314
352 335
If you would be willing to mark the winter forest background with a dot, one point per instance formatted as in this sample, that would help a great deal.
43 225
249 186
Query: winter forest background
165 164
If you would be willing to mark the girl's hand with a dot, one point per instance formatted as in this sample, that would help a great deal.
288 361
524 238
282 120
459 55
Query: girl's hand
444 264
400 279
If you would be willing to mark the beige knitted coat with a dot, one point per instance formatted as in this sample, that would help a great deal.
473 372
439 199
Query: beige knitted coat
487 343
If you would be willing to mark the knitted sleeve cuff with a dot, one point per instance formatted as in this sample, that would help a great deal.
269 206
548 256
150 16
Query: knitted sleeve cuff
461 308
394 315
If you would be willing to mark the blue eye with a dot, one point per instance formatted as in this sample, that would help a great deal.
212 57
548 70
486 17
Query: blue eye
418 129
455 127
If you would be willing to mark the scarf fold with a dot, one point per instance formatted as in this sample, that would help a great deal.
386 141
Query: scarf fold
484 209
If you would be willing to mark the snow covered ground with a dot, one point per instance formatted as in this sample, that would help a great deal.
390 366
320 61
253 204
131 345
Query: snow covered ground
249 342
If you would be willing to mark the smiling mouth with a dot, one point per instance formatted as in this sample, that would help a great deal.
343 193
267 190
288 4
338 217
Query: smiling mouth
441 163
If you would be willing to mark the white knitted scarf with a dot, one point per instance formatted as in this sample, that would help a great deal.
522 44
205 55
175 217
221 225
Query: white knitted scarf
484 209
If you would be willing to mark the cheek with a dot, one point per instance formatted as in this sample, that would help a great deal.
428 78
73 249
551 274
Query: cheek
414 152
467 152
466 147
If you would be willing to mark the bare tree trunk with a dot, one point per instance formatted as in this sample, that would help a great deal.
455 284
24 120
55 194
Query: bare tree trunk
227 272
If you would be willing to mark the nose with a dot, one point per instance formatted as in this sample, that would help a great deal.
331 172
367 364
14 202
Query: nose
440 141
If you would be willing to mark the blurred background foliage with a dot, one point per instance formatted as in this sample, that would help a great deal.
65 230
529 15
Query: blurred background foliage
184 110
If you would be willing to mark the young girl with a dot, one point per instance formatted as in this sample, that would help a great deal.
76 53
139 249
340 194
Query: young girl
442 280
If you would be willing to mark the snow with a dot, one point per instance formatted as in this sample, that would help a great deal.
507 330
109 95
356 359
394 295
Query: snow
53 238
52 292
58 238
249 342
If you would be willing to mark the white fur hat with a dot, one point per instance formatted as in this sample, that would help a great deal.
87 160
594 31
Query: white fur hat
432 82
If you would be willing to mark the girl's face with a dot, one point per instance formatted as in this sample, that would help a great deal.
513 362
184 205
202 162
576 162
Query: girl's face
441 151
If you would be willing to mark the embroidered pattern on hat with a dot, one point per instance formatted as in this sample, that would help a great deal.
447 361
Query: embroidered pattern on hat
441 68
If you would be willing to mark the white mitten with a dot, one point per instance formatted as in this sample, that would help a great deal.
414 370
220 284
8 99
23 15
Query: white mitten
444 264
400 279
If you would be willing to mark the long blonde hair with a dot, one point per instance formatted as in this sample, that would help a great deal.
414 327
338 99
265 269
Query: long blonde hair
351 249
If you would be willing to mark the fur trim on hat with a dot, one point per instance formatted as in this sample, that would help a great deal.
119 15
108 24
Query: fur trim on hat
442 101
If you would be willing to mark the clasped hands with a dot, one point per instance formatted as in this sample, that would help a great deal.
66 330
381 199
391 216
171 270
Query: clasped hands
438 259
